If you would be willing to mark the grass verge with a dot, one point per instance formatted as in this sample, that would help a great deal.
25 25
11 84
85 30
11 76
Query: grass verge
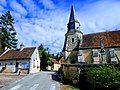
67 87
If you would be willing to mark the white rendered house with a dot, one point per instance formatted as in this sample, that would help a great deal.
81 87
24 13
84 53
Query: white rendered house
23 59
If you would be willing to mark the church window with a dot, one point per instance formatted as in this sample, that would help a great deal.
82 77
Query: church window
80 57
112 55
95 53
72 40
11 63
80 52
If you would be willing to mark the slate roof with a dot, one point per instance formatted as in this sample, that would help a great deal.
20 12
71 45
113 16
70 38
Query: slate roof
26 53
110 39
64 44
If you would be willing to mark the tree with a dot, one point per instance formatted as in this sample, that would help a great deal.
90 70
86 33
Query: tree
41 47
59 56
44 55
49 62
7 31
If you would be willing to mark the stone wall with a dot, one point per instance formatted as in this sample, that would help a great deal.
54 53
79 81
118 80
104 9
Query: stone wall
72 72
24 71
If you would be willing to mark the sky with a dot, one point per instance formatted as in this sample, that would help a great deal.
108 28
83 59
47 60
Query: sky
45 21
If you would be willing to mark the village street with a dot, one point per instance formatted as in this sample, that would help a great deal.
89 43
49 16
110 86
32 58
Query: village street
40 81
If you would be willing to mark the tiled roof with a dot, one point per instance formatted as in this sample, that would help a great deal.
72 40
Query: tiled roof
26 53
54 61
110 39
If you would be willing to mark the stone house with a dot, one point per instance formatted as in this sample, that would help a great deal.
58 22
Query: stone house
25 59
56 65
102 47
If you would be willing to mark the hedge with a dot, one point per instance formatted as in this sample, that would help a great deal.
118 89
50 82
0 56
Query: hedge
102 77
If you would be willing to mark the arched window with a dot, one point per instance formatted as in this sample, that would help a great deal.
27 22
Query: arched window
72 40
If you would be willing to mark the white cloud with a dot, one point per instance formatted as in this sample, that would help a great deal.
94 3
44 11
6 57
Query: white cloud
3 2
44 26
18 8
100 16
48 26
48 4
49 31
31 7
1 8
16 15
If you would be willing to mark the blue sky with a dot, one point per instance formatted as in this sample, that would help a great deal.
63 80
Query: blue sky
45 21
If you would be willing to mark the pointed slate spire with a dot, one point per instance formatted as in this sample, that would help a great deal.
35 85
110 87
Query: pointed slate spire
72 18
71 23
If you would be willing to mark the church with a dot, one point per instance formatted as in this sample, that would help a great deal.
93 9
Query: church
95 48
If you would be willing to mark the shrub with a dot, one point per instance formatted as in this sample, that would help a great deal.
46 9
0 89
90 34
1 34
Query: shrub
49 62
106 76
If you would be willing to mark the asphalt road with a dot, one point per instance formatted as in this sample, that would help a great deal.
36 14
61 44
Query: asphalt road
40 81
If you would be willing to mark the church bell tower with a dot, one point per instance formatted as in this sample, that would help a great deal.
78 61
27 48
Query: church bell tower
73 38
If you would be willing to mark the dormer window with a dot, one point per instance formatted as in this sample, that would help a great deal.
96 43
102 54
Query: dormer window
72 40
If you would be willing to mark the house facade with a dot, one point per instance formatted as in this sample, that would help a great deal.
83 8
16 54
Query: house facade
24 59
56 65
102 47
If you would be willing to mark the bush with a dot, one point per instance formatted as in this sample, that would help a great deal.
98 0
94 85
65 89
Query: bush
49 62
107 77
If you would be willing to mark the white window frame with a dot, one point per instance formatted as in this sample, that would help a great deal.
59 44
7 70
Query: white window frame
80 56
95 51
112 52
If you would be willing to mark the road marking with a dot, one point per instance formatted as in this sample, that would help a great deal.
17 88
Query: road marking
52 87
34 87
16 87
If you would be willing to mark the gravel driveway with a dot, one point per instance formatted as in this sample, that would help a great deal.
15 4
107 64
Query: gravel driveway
7 78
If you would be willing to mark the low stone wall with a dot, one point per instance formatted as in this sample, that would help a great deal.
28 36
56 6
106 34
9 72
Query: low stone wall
72 72
6 69
24 71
